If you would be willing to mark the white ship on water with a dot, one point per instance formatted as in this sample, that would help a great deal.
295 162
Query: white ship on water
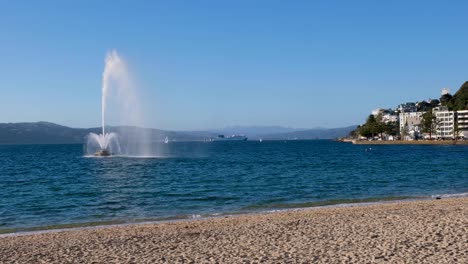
230 138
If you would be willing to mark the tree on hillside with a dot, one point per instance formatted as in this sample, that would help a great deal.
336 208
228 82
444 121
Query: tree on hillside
434 103
373 126
459 101
392 128
429 123
405 131
423 106
355 133
445 99
369 129
380 125
365 130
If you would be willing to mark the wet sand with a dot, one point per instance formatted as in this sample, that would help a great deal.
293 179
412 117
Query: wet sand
432 231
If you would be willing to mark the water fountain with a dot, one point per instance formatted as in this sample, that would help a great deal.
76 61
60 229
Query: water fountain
105 144
119 101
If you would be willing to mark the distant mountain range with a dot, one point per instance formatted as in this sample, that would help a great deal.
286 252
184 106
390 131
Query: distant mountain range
257 130
50 133
317 133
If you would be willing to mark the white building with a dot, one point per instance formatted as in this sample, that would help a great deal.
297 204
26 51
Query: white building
387 118
410 124
407 107
388 115
445 120
462 121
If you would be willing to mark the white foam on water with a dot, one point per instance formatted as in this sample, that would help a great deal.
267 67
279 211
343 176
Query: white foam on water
450 195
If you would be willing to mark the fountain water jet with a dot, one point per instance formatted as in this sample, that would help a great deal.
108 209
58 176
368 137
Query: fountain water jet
120 102
107 144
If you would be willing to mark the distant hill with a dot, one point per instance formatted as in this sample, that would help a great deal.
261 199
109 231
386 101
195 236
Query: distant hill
278 132
50 133
40 132
254 131
318 133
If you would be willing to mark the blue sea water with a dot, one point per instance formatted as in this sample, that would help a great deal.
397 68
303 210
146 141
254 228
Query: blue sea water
44 186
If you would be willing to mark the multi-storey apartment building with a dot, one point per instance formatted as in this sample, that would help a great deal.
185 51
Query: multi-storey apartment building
445 122
462 121
410 124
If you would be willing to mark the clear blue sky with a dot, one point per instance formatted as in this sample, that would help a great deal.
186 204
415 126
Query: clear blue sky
210 64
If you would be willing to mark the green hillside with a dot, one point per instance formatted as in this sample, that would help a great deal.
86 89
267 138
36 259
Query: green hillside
459 101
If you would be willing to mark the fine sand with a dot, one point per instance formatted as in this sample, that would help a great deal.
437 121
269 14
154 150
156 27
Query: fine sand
432 231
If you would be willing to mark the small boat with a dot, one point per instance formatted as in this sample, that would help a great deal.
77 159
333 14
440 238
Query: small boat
166 140
260 140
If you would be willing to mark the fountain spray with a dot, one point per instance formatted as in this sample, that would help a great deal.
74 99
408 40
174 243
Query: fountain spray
119 98
114 70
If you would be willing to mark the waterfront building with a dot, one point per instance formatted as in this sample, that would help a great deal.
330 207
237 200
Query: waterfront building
445 122
462 121
389 118
388 115
410 125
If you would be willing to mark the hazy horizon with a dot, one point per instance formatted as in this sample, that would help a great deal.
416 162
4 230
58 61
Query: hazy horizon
213 129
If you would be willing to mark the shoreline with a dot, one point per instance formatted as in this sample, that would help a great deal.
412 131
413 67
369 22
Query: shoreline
429 230
196 217
409 142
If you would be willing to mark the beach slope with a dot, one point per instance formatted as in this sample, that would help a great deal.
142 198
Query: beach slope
431 231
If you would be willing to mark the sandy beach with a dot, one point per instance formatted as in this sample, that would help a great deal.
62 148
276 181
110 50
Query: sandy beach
430 231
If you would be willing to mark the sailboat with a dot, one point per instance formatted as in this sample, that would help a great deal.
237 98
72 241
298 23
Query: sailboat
166 140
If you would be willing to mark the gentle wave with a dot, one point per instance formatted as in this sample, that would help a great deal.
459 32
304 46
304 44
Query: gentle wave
335 202
451 195
244 211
